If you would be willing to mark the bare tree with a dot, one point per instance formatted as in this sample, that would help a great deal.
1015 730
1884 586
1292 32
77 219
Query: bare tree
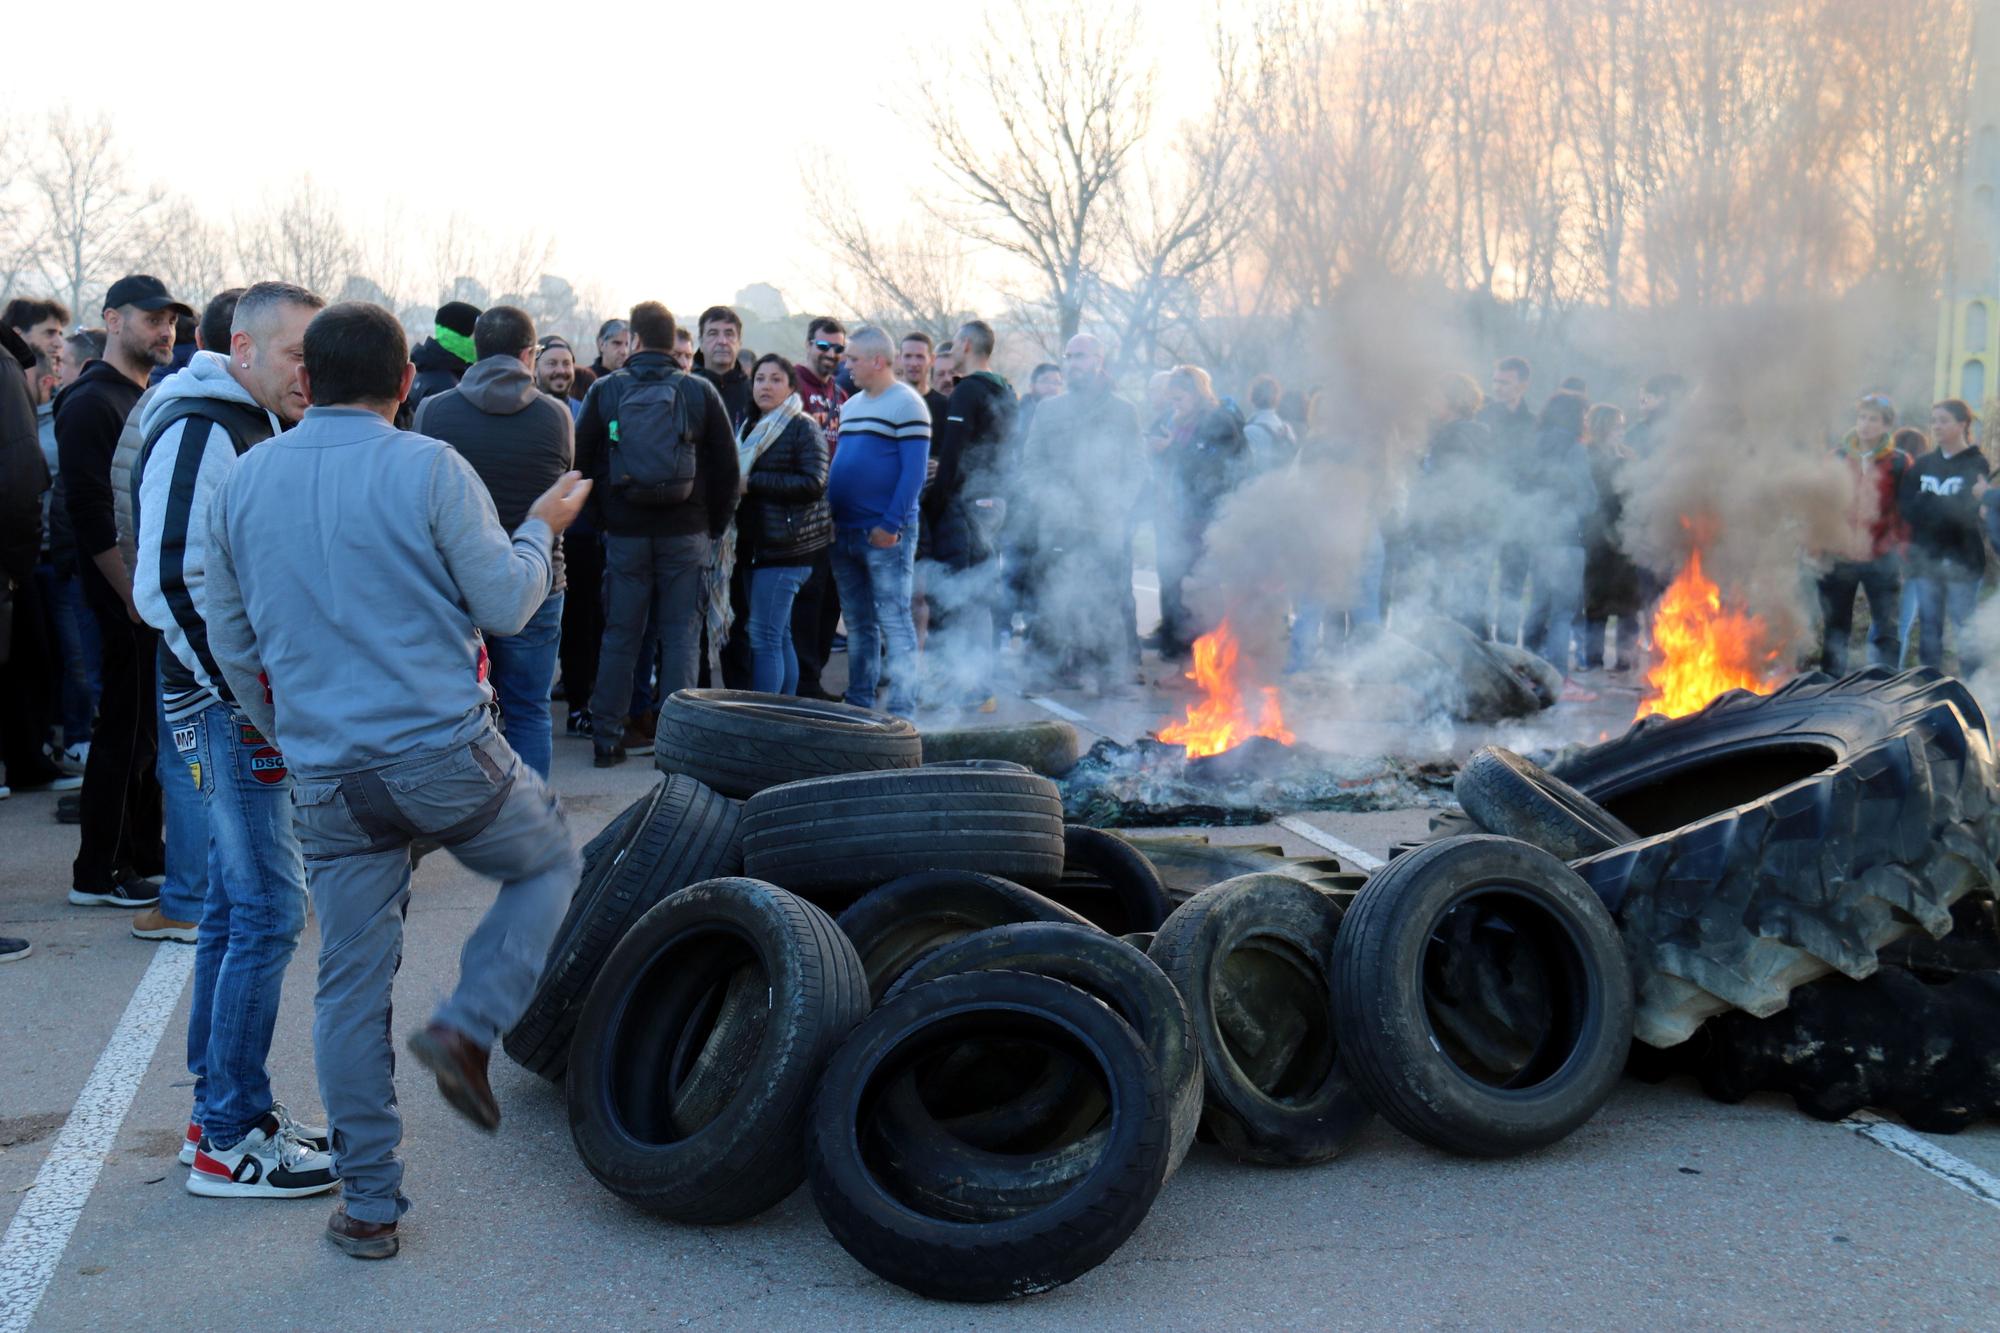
302 240
187 252
1061 104
916 275
1178 223
91 219
1347 131
20 244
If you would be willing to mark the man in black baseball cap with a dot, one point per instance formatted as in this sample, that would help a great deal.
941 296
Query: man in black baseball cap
119 853
142 291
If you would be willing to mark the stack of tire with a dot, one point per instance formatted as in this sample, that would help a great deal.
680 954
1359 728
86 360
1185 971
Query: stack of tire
1834 829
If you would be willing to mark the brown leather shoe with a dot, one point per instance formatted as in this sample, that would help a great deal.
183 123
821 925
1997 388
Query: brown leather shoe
460 1067
363 1240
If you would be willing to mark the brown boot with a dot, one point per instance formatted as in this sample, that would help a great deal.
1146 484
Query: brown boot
460 1067
363 1240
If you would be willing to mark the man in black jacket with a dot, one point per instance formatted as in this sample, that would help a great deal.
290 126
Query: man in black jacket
966 498
520 441
657 443
1939 498
120 845
443 358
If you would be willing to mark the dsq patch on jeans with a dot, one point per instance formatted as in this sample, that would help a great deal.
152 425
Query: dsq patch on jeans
266 764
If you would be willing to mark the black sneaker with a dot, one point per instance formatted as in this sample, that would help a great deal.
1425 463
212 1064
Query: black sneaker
129 892
69 809
579 724
606 756
13 950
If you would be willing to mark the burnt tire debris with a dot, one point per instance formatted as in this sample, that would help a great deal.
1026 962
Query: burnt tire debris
739 743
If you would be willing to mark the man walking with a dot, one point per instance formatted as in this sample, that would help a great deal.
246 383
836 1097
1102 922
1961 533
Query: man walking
201 420
519 440
120 849
657 442
885 440
351 570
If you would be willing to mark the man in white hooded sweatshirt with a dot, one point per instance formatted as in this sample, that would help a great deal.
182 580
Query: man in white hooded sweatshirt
239 1143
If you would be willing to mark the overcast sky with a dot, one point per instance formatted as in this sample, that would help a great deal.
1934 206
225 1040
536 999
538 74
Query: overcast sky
660 145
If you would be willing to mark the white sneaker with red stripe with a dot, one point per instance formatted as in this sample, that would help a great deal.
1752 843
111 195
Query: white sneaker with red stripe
267 1164
311 1136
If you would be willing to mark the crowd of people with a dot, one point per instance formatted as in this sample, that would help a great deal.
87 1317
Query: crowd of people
289 602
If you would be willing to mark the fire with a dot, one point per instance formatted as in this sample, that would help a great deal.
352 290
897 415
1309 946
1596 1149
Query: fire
1704 650
1219 721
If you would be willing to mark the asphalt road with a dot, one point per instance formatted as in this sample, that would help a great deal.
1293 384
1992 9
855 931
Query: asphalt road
1666 1209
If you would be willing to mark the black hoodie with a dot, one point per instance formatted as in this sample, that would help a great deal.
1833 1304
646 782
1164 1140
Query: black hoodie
90 413
1937 502
437 371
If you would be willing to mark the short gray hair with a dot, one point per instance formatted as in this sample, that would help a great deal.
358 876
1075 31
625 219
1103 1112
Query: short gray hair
869 340
256 306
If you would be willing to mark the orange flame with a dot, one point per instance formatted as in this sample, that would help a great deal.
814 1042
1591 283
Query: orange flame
1218 721
1704 650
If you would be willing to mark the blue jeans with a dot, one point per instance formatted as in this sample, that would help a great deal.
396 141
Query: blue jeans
184 888
875 585
250 923
1557 601
1939 595
524 672
75 638
774 667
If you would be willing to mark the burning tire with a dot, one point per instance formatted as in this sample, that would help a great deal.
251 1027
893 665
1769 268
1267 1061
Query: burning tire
1249 957
860 830
738 743
1481 996
649 1021
1048 748
1787 836
678 834
907 918
1113 971
1109 881
1505 794
895 1235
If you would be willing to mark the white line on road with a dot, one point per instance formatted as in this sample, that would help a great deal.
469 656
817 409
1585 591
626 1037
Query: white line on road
1062 711
1346 851
34 1243
1948 1167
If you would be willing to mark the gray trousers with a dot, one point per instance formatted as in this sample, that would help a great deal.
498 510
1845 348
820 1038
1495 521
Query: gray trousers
497 817
663 573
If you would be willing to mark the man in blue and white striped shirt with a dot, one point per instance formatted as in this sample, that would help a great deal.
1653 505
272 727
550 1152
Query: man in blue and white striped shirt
885 441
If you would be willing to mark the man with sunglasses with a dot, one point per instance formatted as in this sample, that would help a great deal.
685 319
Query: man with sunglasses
816 610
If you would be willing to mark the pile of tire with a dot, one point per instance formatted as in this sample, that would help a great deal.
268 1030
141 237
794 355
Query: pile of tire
1799 859
985 1039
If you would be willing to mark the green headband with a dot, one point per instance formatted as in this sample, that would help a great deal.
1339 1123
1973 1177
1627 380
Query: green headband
458 344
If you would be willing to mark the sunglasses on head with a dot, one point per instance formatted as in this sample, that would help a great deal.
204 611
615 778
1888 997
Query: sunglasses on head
826 346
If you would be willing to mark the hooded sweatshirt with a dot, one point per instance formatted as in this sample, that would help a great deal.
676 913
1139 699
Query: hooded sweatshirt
1937 501
437 371
196 423
518 439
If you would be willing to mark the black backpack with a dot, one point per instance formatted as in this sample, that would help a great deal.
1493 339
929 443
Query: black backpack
655 439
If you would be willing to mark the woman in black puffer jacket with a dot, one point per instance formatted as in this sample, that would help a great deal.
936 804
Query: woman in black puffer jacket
784 520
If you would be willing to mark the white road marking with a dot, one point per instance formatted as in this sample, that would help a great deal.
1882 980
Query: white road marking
1346 851
35 1241
1952 1169
1145 584
1063 711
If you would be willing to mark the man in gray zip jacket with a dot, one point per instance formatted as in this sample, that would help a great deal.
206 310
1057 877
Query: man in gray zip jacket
352 568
